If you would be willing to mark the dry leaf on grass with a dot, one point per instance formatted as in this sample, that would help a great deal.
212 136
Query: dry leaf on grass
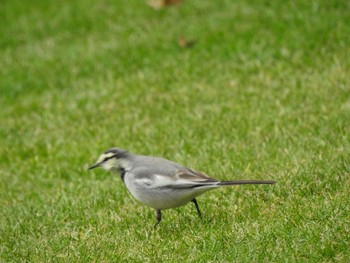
158 4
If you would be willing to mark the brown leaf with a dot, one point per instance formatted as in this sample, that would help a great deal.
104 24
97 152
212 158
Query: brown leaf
183 42
158 4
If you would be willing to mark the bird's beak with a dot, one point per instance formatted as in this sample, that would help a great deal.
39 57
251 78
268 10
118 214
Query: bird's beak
94 166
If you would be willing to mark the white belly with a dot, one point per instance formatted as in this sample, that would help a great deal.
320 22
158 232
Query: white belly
162 197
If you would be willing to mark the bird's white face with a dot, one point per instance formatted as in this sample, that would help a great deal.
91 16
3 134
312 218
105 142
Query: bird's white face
107 161
110 163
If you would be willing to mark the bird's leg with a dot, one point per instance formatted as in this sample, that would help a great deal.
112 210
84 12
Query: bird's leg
158 214
197 207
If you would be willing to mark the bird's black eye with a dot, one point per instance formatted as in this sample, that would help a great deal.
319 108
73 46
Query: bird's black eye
107 158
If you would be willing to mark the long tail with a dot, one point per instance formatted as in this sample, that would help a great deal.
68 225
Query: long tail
238 182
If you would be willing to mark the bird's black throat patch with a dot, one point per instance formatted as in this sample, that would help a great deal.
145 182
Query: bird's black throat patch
122 173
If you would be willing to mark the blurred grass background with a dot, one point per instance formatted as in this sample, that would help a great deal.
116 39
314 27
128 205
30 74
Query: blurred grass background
263 94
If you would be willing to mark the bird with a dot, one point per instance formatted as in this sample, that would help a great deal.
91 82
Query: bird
160 183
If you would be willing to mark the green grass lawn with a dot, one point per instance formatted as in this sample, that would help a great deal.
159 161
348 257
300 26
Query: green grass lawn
263 94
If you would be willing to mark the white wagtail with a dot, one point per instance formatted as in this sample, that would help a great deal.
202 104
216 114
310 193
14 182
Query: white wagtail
160 183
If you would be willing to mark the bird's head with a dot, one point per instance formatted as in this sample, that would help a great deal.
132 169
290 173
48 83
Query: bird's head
111 160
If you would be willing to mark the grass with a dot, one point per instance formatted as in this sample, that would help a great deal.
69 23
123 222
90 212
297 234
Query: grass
263 94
